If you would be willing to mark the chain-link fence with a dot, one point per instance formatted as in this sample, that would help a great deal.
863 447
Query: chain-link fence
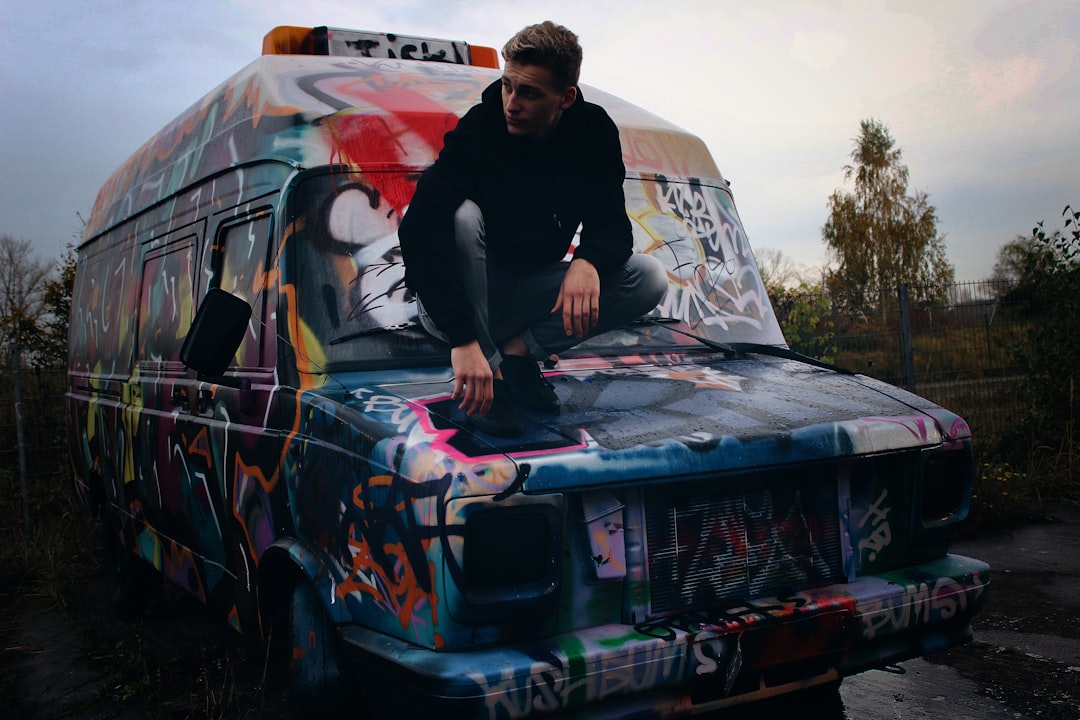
956 349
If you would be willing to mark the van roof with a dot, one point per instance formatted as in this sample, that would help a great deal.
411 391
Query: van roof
367 113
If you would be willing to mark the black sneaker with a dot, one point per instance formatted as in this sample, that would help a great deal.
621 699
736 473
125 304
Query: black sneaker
527 385
501 419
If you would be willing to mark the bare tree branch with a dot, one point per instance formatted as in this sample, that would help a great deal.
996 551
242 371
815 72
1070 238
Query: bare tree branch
23 278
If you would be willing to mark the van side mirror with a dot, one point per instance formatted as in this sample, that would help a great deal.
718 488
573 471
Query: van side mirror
215 333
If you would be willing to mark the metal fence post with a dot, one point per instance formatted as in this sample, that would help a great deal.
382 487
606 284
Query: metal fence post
20 437
905 339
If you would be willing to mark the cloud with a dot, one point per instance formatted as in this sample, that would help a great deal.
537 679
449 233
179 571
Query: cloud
1005 83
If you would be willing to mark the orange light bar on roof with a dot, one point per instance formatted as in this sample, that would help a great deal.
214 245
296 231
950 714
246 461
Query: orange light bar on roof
291 40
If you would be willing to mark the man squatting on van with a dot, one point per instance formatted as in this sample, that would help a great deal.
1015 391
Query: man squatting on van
492 219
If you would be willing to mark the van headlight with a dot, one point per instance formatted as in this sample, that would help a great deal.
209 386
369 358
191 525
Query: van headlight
946 484
508 560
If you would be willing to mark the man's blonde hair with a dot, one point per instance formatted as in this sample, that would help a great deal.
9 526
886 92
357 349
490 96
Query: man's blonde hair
547 45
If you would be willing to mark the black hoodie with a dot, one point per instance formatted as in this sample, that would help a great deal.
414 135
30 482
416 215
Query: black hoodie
533 195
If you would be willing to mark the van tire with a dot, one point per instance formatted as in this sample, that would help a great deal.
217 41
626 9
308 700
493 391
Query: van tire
129 580
316 683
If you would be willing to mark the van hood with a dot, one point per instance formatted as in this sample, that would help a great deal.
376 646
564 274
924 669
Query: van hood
638 419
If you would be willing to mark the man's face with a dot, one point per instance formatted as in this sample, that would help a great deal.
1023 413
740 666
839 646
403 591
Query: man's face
532 105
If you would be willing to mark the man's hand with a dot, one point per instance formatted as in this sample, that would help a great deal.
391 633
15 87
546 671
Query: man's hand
472 378
579 298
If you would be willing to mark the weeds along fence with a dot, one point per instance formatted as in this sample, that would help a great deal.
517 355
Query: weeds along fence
953 344
33 444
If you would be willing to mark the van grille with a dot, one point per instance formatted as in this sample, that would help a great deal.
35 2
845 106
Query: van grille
710 544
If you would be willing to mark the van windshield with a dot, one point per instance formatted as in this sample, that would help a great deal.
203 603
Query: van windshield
344 266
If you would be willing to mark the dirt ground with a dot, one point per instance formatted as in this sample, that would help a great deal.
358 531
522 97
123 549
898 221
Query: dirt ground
1026 652
177 662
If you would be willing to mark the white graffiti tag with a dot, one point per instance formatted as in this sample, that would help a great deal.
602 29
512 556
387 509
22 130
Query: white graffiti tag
919 604
551 685
706 250
881 534
391 409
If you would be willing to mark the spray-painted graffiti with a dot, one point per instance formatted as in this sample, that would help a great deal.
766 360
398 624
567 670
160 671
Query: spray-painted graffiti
692 227
387 553
923 603
564 681
880 531
713 544
603 519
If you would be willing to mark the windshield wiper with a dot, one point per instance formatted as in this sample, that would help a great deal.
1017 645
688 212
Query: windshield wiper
665 323
371 331
731 350
788 354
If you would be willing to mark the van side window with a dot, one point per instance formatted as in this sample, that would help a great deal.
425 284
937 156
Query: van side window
103 307
238 266
347 273
166 304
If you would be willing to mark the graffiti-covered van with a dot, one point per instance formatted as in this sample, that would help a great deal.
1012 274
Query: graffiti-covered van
258 416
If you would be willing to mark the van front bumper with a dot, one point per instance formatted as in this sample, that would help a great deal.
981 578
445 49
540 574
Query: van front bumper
685 664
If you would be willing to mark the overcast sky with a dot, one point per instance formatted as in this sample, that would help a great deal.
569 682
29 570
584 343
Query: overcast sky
982 96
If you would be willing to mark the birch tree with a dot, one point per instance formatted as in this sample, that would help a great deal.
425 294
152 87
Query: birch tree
879 235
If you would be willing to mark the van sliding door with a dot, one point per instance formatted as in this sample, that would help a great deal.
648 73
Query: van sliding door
175 489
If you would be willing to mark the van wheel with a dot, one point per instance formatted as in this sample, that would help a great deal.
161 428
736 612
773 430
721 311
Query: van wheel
129 580
315 678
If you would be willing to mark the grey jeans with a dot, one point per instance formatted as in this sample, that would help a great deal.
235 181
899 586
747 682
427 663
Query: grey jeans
508 303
